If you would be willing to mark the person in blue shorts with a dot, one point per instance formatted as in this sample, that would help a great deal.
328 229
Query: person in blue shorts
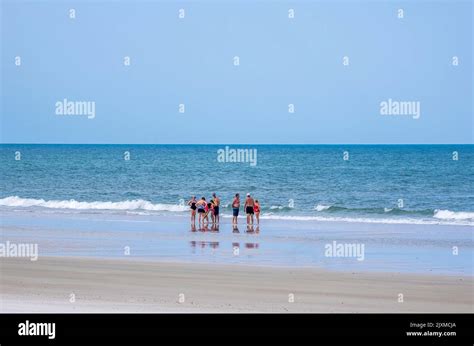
235 208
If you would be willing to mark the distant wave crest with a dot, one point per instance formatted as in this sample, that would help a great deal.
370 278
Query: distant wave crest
453 215
138 204
409 221
321 207
279 208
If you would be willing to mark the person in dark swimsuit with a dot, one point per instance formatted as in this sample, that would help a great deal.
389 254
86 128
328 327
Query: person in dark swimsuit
192 204
217 202
201 206
248 207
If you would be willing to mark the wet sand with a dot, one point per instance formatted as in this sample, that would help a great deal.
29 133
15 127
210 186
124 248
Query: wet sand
388 248
121 285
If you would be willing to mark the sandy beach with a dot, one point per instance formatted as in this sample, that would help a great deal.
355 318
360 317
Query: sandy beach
119 285
82 267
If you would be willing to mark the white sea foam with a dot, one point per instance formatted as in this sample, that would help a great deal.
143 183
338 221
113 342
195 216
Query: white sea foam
273 207
138 204
321 207
453 215
409 221
387 210
406 221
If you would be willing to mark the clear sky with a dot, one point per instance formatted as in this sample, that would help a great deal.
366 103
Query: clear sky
282 61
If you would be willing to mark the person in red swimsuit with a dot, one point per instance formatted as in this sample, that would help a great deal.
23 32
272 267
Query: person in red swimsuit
256 209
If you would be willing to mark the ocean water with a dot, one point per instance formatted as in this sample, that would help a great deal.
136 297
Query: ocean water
409 184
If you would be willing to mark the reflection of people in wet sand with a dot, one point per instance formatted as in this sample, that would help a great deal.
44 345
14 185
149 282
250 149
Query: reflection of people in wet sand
251 245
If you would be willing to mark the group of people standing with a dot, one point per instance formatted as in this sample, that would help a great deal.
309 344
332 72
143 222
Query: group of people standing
204 209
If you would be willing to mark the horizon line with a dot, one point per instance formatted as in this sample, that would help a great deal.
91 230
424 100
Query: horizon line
228 144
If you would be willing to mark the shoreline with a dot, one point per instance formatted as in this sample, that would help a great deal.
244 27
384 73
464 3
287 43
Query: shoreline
119 285
439 217
386 248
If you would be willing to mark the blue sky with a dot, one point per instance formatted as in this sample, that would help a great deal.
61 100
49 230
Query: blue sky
282 61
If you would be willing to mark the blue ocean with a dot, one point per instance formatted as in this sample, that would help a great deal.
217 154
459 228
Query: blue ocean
411 184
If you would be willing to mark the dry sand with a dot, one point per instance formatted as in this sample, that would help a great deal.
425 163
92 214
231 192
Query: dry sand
109 285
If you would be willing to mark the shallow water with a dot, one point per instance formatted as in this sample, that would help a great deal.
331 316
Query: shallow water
387 247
